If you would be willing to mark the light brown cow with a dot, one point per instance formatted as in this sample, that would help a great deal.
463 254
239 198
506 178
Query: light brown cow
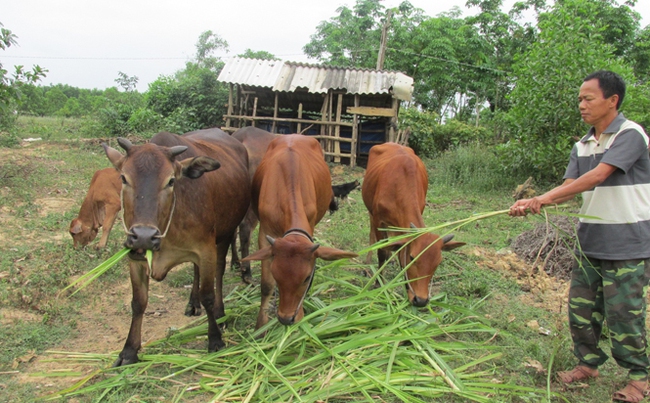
292 190
394 191
175 206
98 210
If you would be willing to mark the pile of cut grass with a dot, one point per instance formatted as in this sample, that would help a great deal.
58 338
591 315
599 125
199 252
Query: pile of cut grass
355 342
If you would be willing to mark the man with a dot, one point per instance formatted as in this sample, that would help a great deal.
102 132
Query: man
611 168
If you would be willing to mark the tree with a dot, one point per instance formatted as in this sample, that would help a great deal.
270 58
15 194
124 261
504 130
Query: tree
544 118
127 83
260 54
10 85
350 39
208 43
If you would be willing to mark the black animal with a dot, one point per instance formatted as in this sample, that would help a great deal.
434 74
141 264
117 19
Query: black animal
341 191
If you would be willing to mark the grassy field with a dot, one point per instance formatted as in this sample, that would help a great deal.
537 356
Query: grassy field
493 331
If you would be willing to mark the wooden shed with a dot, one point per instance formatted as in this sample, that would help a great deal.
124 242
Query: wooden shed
348 110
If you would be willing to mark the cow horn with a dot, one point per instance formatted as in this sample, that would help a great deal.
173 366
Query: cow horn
313 248
124 143
447 238
413 226
270 239
177 150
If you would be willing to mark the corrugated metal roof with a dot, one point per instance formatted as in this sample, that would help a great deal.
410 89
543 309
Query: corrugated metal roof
287 76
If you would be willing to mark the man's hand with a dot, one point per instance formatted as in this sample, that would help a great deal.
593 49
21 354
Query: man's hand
524 206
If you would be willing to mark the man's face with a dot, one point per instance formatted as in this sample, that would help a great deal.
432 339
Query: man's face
594 107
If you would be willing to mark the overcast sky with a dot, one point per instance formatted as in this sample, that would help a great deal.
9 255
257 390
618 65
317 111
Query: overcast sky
86 43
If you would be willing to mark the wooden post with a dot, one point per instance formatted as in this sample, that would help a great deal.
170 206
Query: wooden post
299 117
275 113
330 143
229 104
383 41
323 118
254 111
393 121
355 134
337 128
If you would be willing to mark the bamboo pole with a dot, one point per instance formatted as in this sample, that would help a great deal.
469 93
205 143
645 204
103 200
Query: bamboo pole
355 134
337 128
254 110
275 113
299 129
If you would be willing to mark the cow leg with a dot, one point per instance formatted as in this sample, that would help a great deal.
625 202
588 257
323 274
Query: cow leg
234 259
245 230
222 251
207 295
107 225
373 239
267 286
140 287
194 305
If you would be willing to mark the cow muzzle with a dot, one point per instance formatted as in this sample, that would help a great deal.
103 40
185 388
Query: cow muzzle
419 302
141 238
286 320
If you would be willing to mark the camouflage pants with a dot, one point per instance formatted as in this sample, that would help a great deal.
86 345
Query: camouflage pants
615 291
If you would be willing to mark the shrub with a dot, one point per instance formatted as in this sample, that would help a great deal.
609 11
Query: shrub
428 138
473 166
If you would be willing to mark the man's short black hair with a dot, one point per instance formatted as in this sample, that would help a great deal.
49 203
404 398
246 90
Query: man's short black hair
610 84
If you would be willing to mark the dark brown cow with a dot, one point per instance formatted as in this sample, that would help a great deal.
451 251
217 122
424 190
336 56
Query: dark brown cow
292 189
394 190
98 210
256 142
174 206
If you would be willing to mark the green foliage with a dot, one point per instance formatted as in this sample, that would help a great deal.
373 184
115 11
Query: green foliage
428 138
191 100
351 38
640 55
10 85
544 120
474 167
636 105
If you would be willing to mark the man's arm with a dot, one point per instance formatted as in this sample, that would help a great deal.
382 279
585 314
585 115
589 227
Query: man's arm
564 192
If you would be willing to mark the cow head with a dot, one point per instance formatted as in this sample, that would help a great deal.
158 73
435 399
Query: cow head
149 174
81 234
424 255
292 266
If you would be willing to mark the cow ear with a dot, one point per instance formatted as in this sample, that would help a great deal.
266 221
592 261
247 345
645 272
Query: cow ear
452 245
115 157
261 254
195 167
75 226
333 253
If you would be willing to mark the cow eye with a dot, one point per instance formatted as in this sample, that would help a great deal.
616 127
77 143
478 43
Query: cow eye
171 182
124 182
411 257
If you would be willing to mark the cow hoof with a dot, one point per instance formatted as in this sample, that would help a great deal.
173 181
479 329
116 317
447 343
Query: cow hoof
215 345
247 278
121 361
192 310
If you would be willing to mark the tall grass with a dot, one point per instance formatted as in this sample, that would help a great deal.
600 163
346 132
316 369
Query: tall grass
472 167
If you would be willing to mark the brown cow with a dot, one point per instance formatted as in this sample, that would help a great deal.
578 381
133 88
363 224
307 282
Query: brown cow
394 190
256 142
175 206
292 189
98 210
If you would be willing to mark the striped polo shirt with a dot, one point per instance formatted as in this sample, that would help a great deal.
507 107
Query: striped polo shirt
622 201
